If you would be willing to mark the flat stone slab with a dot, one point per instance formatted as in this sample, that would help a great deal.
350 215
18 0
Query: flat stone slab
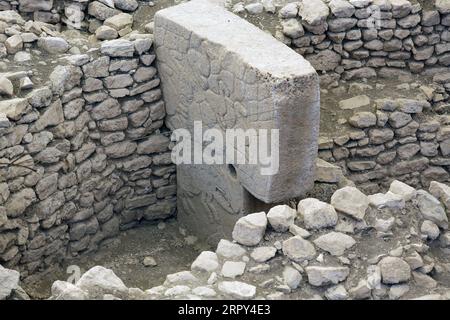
219 69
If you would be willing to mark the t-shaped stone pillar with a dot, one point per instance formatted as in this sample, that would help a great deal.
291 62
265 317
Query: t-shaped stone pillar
219 69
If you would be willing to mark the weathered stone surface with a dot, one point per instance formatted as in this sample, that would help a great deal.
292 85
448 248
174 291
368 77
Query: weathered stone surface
98 281
206 262
351 201
281 217
292 28
224 33
119 21
387 200
154 144
341 8
126 5
18 202
325 60
327 172
237 289
430 229
53 45
432 209
106 33
14 108
6 87
442 192
62 290
443 6
52 116
354 103
118 48
321 276
402 189
335 243
292 277
101 11
363 120
250 229
313 12
317 214
298 249
233 269
9 281
229 250
262 254
11 17
394 270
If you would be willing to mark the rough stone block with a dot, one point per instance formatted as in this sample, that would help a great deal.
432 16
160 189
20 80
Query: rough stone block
226 78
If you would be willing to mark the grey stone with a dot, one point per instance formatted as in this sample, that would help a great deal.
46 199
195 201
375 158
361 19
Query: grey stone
321 276
402 189
237 289
18 202
118 48
263 254
290 10
314 12
281 217
6 87
431 209
53 45
430 229
443 6
292 28
363 120
341 8
224 37
336 293
335 243
354 103
325 60
9 281
119 21
387 200
298 249
229 250
317 214
351 201
98 281
126 5
206 262
233 269
52 116
291 277
101 11
106 33
249 230
394 270
62 290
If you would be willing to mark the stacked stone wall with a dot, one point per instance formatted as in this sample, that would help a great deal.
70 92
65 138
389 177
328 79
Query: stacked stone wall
401 140
84 156
365 39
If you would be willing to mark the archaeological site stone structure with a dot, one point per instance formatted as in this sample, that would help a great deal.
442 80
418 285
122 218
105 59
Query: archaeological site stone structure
209 72
89 97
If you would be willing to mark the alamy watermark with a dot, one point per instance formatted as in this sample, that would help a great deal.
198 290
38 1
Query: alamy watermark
230 146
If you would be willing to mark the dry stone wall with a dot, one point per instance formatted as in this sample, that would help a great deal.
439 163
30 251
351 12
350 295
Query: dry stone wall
77 14
83 157
362 39
400 140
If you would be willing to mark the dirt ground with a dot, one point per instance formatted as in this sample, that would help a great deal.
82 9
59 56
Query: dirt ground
173 250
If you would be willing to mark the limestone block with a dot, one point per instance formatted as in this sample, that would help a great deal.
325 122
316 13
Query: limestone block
226 85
